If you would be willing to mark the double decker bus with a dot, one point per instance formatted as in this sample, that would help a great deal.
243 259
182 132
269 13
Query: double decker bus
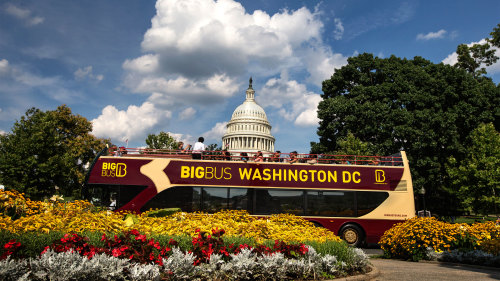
356 197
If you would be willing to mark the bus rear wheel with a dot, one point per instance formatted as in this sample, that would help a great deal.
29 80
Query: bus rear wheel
352 234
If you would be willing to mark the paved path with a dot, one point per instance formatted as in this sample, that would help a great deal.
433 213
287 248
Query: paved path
423 271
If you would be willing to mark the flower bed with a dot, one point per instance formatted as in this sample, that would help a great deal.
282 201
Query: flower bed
59 241
132 256
80 215
413 238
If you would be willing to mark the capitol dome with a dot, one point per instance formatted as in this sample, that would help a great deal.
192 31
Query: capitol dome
248 130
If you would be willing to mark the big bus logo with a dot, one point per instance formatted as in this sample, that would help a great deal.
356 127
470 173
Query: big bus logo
379 176
114 170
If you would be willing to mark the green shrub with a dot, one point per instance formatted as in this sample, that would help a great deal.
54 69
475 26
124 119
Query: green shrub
339 249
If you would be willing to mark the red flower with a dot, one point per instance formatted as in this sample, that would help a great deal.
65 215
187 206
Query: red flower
141 237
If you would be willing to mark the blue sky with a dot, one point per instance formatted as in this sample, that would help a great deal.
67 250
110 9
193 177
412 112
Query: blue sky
135 68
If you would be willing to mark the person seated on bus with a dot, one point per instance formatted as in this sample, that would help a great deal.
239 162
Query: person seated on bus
227 155
180 147
258 157
376 161
276 157
293 157
313 159
244 157
123 150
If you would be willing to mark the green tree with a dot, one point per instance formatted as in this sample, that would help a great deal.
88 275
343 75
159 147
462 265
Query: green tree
48 149
477 177
426 109
161 141
351 145
495 36
472 58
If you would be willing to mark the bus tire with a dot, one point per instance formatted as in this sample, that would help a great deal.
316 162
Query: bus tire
352 234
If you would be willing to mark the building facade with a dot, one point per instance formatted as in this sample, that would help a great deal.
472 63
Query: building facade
249 130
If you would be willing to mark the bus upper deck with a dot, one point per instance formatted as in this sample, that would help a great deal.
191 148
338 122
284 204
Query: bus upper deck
392 160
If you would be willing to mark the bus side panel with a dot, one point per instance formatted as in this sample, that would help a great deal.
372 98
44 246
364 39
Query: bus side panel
374 229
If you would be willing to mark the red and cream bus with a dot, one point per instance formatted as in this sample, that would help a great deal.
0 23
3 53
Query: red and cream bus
356 197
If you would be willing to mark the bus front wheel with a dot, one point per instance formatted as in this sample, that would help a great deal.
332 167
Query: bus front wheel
352 234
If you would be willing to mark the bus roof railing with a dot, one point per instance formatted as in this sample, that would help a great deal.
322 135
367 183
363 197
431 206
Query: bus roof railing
392 160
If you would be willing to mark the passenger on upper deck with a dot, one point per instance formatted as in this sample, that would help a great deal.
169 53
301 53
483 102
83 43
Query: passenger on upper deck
293 157
244 157
258 157
276 157
313 159
198 148
227 155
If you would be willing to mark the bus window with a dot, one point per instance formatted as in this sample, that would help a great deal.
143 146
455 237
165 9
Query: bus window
183 197
279 201
240 199
214 199
368 201
331 203
112 196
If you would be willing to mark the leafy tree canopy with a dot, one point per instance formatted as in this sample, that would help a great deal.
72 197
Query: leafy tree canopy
351 145
48 149
395 104
476 57
161 141
477 177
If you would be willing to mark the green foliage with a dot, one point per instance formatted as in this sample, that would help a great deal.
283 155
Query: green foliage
351 145
47 149
395 104
161 141
495 36
477 177
163 212
473 57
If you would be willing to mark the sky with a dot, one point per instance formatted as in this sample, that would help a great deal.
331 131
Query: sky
139 67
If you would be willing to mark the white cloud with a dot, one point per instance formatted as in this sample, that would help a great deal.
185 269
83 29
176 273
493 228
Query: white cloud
338 32
452 58
145 64
291 99
23 14
2 132
195 49
4 67
181 90
216 132
187 113
321 63
87 73
432 35
186 139
133 124
17 81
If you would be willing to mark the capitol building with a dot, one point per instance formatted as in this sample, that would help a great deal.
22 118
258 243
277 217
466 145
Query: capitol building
248 130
